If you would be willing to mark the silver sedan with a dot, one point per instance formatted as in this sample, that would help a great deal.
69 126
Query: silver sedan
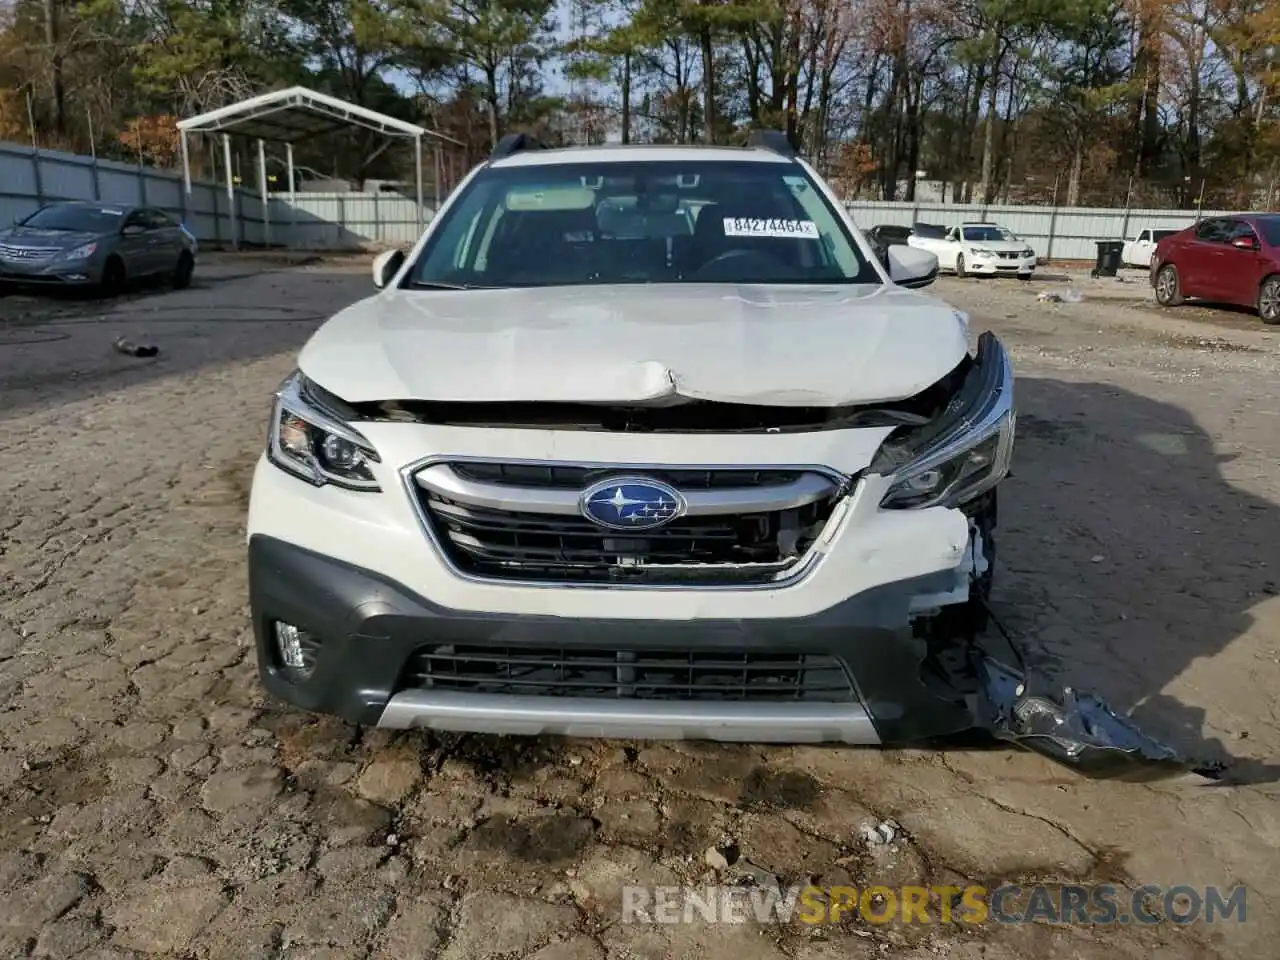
97 245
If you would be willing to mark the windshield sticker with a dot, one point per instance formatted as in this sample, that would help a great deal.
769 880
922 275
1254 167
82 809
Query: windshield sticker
749 227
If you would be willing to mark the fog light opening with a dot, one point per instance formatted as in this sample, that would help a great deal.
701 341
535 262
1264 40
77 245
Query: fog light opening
296 649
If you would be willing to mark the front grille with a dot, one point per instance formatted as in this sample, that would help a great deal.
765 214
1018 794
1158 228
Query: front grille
1009 256
558 544
575 477
762 677
26 253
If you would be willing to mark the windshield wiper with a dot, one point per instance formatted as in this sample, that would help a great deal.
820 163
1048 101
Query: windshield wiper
444 285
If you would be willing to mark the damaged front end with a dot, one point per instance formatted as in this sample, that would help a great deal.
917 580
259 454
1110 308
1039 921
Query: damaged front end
956 460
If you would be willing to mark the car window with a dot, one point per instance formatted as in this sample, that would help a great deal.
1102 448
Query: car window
1144 236
75 218
136 219
1270 229
930 230
1240 229
158 220
641 222
987 234
1213 231
1158 235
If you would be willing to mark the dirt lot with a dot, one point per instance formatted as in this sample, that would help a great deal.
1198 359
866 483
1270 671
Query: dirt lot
154 805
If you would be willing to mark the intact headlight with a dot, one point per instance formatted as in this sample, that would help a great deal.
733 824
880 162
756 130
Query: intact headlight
312 444
1028 252
82 252
981 252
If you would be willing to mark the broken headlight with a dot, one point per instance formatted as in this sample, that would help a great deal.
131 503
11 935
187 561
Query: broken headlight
312 443
963 475
966 450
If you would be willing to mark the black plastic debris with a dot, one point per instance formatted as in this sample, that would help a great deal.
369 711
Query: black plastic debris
128 348
1078 730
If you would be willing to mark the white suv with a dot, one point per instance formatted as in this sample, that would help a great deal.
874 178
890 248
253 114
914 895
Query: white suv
636 441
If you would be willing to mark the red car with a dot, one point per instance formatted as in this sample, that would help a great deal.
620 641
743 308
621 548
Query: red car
1224 259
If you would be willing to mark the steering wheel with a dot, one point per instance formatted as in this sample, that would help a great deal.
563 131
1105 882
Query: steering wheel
743 259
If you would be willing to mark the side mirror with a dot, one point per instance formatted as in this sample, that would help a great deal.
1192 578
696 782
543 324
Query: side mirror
911 266
1245 243
385 267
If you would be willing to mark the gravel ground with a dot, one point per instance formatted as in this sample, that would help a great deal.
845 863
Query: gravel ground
156 805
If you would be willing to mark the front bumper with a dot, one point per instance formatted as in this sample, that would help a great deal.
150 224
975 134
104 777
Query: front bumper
999 266
66 273
369 628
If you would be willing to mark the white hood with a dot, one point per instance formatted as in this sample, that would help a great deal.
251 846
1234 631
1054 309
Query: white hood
633 344
997 246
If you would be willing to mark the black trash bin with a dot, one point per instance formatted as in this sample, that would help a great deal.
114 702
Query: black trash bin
1108 263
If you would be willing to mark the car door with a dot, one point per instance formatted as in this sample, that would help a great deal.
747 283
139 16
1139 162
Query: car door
134 247
1137 252
1201 258
164 241
1243 264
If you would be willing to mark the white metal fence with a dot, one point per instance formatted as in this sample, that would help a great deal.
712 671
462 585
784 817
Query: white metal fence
343 221
1057 233
348 221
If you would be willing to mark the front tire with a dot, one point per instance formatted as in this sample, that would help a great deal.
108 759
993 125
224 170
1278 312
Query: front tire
113 278
1269 301
1168 286
182 272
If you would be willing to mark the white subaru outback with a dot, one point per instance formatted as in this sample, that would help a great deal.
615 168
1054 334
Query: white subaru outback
638 442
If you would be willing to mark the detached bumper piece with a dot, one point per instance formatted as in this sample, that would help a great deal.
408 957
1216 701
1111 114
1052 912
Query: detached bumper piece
1077 730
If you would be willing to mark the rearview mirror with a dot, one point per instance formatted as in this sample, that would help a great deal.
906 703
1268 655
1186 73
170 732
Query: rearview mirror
385 267
912 267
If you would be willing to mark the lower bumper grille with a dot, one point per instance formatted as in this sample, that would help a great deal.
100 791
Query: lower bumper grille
751 526
764 677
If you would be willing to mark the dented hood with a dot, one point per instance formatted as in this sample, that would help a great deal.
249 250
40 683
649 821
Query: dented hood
637 344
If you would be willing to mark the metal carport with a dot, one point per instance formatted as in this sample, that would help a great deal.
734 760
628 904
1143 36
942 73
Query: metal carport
292 116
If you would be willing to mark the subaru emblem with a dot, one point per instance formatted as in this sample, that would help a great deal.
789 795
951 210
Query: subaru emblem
631 503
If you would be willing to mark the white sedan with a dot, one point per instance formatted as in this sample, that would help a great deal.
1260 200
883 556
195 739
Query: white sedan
981 249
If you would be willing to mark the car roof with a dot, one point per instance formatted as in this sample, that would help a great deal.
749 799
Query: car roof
93 204
642 153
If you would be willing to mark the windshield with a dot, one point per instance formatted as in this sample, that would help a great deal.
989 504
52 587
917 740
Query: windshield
988 234
76 218
643 222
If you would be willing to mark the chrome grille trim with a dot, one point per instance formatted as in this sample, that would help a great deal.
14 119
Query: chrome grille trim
27 253
442 480
793 572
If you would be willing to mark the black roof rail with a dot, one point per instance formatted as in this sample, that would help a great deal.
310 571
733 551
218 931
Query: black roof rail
775 140
515 143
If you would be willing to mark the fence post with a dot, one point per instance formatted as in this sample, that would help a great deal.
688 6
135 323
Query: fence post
342 218
37 171
217 219
1053 223
377 219
1128 197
